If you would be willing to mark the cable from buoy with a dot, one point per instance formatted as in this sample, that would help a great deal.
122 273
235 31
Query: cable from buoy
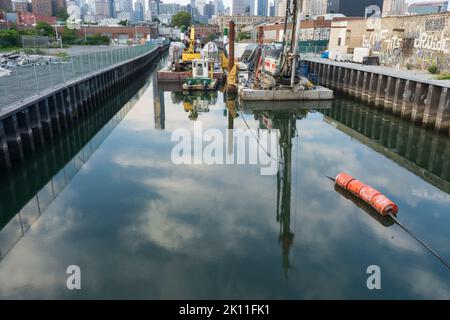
390 212
438 256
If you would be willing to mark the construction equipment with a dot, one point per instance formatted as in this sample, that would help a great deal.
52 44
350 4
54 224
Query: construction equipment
277 80
189 53
202 76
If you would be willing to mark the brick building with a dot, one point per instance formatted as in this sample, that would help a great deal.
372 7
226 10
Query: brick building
418 41
21 6
202 31
6 5
119 33
30 19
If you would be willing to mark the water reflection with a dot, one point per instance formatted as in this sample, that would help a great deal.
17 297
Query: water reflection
417 149
221 231
285 122
37 178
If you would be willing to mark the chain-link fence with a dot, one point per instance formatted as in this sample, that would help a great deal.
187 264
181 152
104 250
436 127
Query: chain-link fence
35 42
29 80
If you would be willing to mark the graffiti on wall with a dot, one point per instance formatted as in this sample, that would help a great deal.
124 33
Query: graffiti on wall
436 24
420 42
380 41
432 42
314 34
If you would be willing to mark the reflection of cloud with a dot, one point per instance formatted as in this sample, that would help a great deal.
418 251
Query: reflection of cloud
426 285
156 226
431 196
140 226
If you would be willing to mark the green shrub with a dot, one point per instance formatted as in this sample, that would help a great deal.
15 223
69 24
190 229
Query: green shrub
433 69
9 38
444 76
96 39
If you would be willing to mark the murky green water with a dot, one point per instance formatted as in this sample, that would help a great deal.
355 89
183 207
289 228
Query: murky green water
111 201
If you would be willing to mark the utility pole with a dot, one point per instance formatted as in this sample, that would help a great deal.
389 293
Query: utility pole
57 37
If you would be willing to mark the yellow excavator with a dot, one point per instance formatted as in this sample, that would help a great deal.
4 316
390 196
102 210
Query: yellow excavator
189 53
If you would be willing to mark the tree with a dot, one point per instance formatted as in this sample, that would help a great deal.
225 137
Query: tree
62 15
211 37
243 36
44 29
181 19
123 23
9 38
69 36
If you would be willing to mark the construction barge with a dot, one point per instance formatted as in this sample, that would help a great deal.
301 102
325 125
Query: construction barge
181 60
275 76
284 94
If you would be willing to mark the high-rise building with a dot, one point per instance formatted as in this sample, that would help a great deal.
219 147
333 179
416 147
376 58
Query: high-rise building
243 8
58 6
171 8
272 10
102 10
148 11
314 7
124 9
200 6
394 8
111 8
139 10
193 10
21 6
218 7
208 10
280 8
42 7
352 8
262 9
428 7
6 5
87 13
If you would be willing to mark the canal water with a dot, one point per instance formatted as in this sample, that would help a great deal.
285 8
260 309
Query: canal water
108 198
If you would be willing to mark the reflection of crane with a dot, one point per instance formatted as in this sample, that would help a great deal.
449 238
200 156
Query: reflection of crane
231 113
196 102
158 105
285 122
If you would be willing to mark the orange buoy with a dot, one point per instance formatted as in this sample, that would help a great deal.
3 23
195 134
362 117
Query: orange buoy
371 196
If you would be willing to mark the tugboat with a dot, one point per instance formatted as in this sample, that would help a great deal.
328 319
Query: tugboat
202 76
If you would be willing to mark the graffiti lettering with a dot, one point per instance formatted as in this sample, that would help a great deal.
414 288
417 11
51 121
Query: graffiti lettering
437 24
394 43
431 42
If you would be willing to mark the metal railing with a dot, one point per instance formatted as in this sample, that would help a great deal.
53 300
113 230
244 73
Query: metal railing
312 51
34 79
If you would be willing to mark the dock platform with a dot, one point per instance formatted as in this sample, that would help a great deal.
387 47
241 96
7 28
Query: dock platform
172 76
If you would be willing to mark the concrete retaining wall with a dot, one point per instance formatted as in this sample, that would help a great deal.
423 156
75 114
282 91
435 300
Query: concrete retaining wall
29 125
419 101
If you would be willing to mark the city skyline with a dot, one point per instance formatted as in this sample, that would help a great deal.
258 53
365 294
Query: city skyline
126 9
